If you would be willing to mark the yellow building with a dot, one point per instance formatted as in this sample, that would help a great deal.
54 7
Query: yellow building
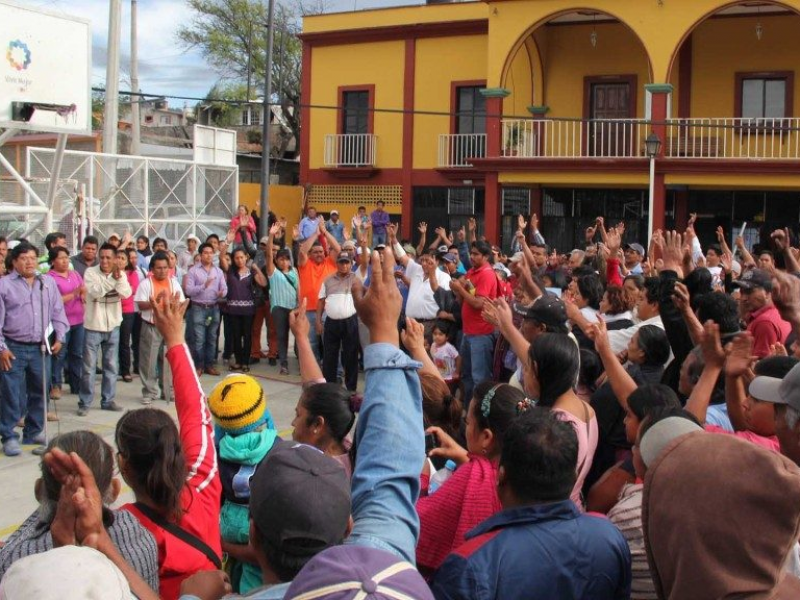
504 107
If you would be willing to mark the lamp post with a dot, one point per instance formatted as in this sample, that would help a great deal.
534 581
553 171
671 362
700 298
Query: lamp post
651 146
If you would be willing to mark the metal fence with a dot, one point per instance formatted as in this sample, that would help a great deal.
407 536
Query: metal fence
166 198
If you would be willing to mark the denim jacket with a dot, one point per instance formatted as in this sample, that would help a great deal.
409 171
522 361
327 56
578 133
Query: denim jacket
391 451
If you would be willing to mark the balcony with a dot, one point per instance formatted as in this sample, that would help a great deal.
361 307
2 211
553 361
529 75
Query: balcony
350 150
702 138
457 150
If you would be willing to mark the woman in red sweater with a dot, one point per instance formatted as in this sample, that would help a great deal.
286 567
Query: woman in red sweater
469 496
173 471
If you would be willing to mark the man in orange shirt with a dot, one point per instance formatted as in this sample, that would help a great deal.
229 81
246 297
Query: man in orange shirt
314 267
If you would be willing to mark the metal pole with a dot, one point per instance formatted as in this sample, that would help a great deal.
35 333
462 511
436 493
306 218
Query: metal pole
265 126
136 136
650 200
111 112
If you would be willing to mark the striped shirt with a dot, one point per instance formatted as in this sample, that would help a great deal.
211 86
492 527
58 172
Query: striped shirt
133 541
283 289
627 516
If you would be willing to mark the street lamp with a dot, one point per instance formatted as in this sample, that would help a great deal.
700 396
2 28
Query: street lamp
651 146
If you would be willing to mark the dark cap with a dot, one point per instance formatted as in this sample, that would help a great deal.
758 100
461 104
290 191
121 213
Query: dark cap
635 247
447 257
754 278
300 499
344 257
548 310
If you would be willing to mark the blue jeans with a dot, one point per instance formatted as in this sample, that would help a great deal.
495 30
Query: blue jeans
69 360
378 238
477 352
24 380
205 322
109 342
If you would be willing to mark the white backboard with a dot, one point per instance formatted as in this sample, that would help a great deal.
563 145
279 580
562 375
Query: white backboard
214 146
45 59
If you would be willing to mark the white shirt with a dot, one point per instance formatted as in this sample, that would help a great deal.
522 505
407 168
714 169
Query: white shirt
145 290
619 338
421 304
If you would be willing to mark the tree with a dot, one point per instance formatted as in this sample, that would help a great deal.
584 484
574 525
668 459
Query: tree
224 114
228 32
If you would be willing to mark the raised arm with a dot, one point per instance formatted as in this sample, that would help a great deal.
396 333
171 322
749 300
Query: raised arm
305 246
386 478
413 337
273 231
335 247
310 373
423 233
498 313
622 384
738 363
714 357
397 249
782 240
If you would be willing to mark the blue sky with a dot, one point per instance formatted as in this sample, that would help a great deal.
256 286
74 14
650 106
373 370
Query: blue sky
165 67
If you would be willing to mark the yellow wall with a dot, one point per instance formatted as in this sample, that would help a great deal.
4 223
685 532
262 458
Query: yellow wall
520 84
723 47
379 64
284 200
439 62
401 15
576 179
571 57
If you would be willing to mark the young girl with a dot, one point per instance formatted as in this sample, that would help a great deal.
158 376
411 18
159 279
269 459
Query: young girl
444 354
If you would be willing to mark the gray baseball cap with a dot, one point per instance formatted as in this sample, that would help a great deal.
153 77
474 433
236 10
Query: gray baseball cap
778 391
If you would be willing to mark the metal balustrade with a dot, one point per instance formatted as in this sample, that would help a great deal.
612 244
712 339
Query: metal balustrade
350 150
458 149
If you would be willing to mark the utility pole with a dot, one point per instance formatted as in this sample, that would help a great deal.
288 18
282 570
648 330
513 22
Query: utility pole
111 111
136 137
249 57
265 126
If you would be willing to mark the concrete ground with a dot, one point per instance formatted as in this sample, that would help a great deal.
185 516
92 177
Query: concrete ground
18 474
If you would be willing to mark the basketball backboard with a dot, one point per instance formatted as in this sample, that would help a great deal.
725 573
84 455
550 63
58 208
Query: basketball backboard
45 70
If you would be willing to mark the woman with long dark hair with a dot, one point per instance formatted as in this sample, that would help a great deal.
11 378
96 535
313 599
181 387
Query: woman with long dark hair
70 286
173 470
128 316
241 306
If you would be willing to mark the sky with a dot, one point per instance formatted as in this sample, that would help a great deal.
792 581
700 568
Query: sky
165 66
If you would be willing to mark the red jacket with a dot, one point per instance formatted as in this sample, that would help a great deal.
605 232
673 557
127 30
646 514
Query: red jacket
767 328
203 491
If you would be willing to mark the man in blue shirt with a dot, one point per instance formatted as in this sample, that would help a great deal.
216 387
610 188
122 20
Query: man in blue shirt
335 227
309 225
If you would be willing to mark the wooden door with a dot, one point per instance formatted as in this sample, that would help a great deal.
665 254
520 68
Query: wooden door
610 100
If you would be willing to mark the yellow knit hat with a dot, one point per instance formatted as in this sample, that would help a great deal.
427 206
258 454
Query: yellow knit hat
238 404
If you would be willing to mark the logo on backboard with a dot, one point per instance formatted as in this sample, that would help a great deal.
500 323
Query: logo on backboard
18 55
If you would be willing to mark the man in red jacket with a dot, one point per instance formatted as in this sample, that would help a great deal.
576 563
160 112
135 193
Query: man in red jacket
762 317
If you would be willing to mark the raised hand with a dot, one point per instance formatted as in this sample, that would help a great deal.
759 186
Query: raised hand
296 232
521 223
168 314
423 228
275 229
780 237
672 252
391 231
591 230
472 224
720 235
535 222
613 241
380 307
786 296
413 336
461 234
680 297
739 355
298 321
713 353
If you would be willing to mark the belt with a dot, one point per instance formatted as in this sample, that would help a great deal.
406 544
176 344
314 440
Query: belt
39 343
203 304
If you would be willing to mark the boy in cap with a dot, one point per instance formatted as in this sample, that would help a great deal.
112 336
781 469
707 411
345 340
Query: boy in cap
245 434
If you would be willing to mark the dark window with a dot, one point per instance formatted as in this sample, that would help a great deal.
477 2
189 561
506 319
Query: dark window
355 116
471 109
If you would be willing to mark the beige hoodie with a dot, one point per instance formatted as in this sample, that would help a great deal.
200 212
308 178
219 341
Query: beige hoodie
720 517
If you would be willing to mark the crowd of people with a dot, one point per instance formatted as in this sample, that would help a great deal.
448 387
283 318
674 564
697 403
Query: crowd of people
612 422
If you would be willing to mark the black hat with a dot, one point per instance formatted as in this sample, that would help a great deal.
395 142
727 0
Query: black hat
754 278
550 311
300 499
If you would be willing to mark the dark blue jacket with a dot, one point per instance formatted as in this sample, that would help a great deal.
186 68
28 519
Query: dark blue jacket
547 551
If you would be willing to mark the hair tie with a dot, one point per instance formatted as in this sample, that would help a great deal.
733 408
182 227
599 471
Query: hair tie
486 403
524 405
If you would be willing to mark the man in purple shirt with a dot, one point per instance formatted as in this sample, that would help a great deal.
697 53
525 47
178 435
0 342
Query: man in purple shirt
379 219
29 305
205 285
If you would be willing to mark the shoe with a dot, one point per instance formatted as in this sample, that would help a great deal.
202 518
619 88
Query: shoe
38 440
11 447
264 354
245 369
135 370
146 401
113 407
212 371
273 362
284 370
21 422
55 393
199 373
235 368
127 378
39 450
83 411
52 417
254 361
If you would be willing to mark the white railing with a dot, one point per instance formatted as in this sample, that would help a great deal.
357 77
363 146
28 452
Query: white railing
350 150
458 149
594 138
763 139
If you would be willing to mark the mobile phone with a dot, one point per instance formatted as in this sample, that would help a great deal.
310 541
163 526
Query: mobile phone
430 442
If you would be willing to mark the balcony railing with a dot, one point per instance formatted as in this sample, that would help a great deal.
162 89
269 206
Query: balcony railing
707 138
350 150
596 138
763 139
458 150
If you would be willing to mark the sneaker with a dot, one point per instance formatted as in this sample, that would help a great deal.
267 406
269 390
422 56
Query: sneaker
146 401
39 450
11 447
113 407
55 393
212 371
37 439
127 378
83 411
284 370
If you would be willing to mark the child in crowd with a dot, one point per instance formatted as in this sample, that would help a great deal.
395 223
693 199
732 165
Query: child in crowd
444 354
245 434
